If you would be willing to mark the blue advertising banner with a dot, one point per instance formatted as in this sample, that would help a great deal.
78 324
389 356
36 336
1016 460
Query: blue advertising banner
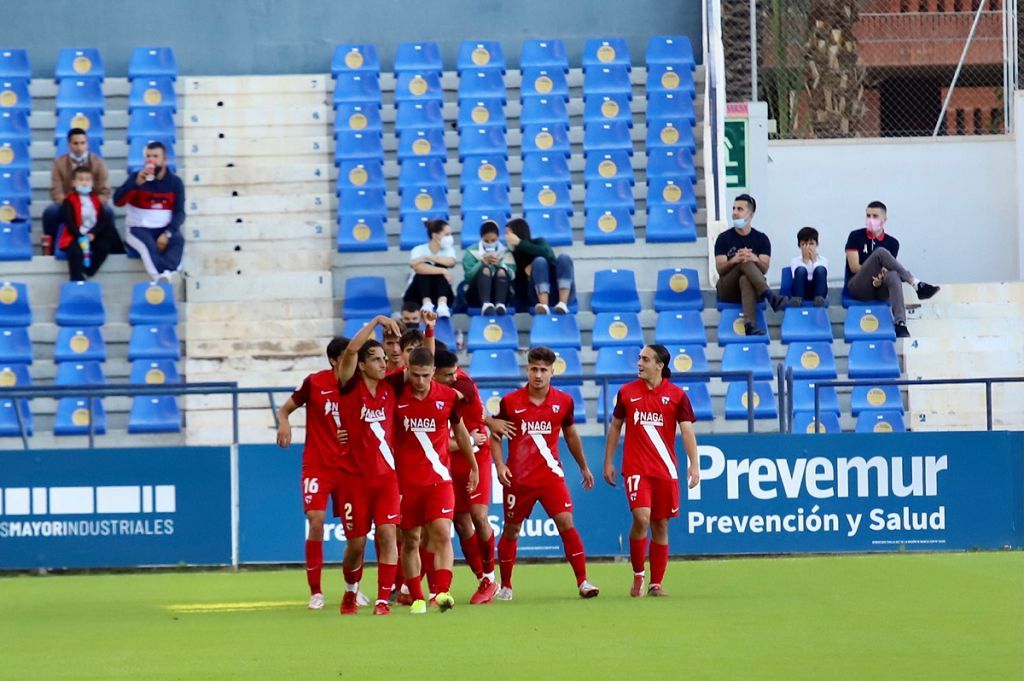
115 508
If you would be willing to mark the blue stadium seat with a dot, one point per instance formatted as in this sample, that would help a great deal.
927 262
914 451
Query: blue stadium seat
553 225
154 414
362 202
14 63
444 331
413 231
671 106
152 93
606 52
579 406
14 126
608 226
14 155
81 304
545 139
427 172
612 136
79 62
363 174
606 402
607 108
472 219
682 327
9 419
608 194
670 134
669 192
80 344
567 363
15 345
539 196
354 324
486 170
803 397
357 117
668 162
80 93
873 359
427 200
615 291
419 116
151 123
14 184
617 329
614 361
543 54
700 400
544 111
491 397
803 422
492 333
15 242
880 422
354 57
811 360
418 86
480 54
494 364
480 111
153 303
482 141
73 416
555 331
608 166
869 322
670 78
748 357
666 224
14 375
421 56
362 233
153 62
154 372
358 146
137 153
670 49
730 327
14 210
79 373
736 398
688 359
806 324
543 82
876 398
14 95
485 197
421 144
90 120
547 168
488 83
678 288
15 309
366 297
607 80
154 342
352 88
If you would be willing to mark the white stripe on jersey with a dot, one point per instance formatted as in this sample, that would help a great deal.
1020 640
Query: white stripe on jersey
659 445
546 454
431 454
385 450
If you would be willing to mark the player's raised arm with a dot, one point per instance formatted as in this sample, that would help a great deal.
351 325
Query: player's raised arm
466 447
690 444
611 443
429 335
284 428
346 367
572 440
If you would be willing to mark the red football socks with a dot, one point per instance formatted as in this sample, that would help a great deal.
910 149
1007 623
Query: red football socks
575 555
471 550
385 580
353 576
415 585
442 581
426 561
314 564
659 562
507 559
486 554
638 554
399 574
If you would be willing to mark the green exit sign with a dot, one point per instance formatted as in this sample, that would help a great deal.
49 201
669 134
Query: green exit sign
736 153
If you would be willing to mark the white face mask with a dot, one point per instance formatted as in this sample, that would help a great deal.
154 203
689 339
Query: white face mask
447 241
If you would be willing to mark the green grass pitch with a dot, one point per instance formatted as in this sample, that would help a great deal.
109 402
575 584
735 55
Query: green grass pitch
899 617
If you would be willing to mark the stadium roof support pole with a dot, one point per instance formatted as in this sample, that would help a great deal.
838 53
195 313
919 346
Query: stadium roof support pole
959 67
235 511
753 50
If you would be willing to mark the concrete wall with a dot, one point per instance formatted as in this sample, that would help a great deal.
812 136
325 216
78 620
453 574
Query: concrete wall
226 37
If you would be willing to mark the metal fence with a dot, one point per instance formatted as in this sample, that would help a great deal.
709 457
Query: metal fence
875 68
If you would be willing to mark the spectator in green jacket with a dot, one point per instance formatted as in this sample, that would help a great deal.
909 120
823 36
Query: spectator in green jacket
538 271
488 271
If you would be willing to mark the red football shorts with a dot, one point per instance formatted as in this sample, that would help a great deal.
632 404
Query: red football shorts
317 486
423 503
369 500
482 494
661 495
519 501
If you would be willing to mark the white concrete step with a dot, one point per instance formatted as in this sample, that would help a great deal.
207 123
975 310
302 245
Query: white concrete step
266 287
267 192
249 311
281 348
201 122
241 228
198 176
267 328
210 86
252 262
266 148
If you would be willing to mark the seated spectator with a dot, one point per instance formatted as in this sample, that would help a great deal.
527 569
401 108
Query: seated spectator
89 234
62 184
810 271
742 256
432 263
538 271
156 210
872 271
411 316
488 272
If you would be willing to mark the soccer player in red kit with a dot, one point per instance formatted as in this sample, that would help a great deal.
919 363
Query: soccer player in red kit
393 346
426 414
534 472
650 407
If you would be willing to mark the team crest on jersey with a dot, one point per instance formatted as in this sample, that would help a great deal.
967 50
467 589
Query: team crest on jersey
440 404
646 418
556 408
372 415
537 427
664 399
419 425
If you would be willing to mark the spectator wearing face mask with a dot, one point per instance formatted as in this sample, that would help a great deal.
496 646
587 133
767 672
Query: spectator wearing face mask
89 234
430 283
872 271
62 184
488 271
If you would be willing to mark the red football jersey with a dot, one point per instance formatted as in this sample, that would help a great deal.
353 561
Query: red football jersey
369 420
319 394
423 431
473 414
533 452
650 417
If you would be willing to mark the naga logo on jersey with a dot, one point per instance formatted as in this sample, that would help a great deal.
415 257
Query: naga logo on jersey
372 415
330 408
416 425
645 418
536 427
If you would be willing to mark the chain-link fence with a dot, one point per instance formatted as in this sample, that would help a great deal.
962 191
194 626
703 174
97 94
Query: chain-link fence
874 68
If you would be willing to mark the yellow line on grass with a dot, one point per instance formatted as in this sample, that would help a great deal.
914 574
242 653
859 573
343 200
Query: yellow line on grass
232 607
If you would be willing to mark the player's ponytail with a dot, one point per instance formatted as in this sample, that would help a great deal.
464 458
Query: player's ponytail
664 357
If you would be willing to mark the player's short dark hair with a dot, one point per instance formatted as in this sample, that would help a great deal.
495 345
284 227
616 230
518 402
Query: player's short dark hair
878 204
440 345
401 330
806 234
412 337
519 227
488 227
156 144
541 355
421 357
76 131
336 347
445 359
410 306
663 355
750 201
368 346
434 226
81 170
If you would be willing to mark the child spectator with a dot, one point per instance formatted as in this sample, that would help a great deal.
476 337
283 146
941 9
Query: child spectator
432 264
89 234
810 271
488 272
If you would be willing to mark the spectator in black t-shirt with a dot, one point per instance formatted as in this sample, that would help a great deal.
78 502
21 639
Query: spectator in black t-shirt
872 271
742 255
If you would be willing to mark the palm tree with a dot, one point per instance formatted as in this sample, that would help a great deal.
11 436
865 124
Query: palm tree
736 44
834 77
